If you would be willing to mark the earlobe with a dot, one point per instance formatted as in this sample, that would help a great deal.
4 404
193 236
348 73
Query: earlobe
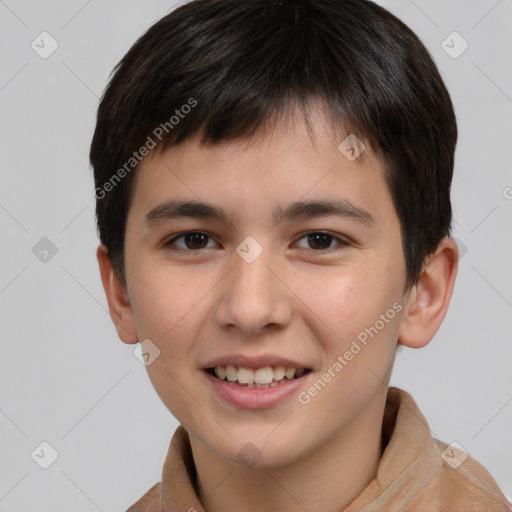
428 301
119 305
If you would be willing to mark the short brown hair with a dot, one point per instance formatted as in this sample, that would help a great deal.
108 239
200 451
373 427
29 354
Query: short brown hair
244 63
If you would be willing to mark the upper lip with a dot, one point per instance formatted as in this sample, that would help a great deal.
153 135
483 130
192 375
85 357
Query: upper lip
245 361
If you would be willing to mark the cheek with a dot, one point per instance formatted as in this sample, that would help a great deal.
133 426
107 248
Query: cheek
354 314
344 300
359 353
166 308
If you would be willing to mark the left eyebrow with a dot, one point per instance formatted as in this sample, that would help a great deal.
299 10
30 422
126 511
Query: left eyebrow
323 208
175 209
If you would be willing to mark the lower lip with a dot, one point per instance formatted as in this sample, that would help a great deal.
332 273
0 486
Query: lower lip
255 398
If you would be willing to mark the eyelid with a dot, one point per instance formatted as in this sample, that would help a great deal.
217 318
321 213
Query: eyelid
341 241
177 236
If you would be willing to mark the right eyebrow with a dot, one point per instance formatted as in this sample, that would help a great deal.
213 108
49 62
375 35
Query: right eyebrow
182 209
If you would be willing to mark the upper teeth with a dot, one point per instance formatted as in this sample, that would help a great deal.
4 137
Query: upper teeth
263 375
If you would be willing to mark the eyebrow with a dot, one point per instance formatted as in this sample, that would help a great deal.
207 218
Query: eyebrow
176 209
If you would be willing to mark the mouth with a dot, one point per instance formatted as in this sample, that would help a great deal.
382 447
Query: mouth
263 378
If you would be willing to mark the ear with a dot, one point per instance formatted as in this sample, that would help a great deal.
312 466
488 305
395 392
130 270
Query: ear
118 303
428 301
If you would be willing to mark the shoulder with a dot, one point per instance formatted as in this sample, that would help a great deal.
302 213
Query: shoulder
463 481
150 502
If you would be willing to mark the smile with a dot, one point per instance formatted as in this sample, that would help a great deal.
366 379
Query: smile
266 377
256 388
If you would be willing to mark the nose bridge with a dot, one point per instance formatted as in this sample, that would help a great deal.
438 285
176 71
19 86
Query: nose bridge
253 297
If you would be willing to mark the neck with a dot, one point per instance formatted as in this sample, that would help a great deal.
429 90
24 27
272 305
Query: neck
327 480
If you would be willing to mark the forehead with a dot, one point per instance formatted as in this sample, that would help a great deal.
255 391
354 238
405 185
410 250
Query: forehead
264 175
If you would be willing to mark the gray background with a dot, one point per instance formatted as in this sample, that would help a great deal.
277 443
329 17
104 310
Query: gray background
66 378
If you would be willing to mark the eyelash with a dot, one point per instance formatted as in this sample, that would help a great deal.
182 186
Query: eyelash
169 243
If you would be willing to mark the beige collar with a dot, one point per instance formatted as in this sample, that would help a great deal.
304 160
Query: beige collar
411 473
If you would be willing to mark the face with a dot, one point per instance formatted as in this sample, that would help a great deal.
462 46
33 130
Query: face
266 288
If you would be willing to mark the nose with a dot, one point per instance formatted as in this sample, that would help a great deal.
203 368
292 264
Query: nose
254 297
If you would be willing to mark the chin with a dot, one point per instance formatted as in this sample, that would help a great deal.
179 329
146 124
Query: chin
258 449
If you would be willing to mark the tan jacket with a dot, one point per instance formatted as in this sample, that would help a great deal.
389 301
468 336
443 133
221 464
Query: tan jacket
416 472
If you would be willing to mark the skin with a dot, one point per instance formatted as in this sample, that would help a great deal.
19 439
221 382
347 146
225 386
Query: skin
295 300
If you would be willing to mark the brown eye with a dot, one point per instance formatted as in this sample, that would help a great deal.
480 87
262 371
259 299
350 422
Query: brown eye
191 241
319 241
195 240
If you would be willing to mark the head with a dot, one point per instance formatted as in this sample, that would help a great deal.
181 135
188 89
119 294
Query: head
250 108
